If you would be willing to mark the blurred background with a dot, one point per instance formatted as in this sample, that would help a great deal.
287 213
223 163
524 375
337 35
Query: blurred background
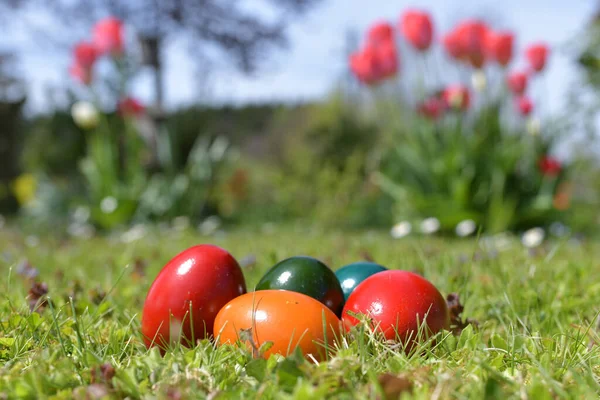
414 117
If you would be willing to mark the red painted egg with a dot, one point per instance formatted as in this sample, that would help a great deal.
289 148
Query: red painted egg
397 302
187 294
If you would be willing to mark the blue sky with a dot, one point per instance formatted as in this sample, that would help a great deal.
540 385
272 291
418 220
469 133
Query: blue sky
315 59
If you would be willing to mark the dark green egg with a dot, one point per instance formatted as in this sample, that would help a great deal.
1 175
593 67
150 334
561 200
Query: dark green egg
352 274
305 275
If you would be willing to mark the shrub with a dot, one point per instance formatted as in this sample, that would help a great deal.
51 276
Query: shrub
456 152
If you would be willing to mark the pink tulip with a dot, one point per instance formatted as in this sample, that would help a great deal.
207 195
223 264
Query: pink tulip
85 54
83 75
432 108
467 42
537 55
417 28
457 97
380 33
499 47
108 36
375 63
524 105
517 82
130 107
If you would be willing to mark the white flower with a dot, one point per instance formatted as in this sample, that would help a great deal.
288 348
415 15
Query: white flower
479 81
85 115
430 225
108 205
498 242
209 225
181 223
466 228
401 229
533 237
81 230
135 233
81 214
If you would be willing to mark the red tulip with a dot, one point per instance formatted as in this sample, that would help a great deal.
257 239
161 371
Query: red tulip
85 54
536 55
417 28
452 45
524 105
457 97
432 108
549 166
471 36
379 33
108 36
517 82
386 60
499 46
362 66
130 107
375 63
83 75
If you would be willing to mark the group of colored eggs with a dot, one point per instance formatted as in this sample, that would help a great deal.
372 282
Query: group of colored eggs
299 302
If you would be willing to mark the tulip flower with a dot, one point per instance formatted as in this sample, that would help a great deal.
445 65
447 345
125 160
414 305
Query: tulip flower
417 28
499 47
517 82
452 45
457 97
479 80
375 63
432 108
83 75
537 55
524 105
470 38
386 60
361 65
85 54
379 33
130 107
85 115
108 36
549 166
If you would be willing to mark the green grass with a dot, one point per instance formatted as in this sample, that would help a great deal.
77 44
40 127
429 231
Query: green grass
536 315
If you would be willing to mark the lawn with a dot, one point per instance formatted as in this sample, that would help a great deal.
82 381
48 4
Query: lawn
534 338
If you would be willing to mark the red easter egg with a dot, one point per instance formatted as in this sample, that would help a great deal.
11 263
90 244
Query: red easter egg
397 302
187 294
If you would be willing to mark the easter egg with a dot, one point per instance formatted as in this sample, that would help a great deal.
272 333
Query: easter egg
352 274
286 319
308 276
397 302
187 294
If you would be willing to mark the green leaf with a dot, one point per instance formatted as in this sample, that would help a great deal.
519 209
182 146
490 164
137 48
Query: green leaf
257 369
7 341
498 342
288 373
265 347
493 389
35 320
